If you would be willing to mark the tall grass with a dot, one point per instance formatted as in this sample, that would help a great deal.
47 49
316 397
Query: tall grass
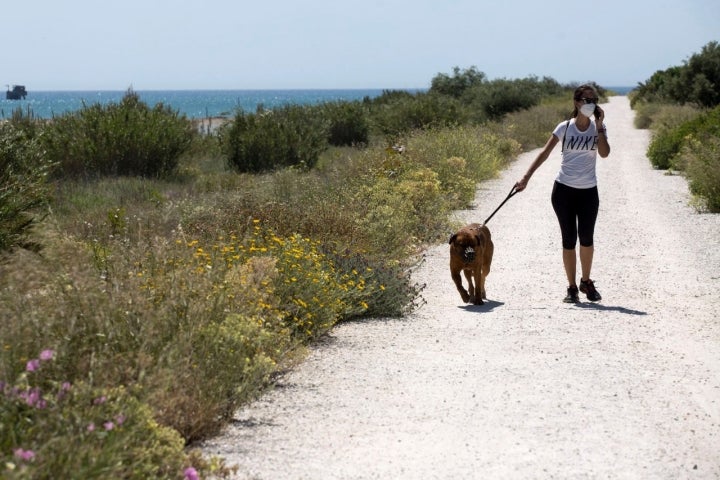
702 159
23 183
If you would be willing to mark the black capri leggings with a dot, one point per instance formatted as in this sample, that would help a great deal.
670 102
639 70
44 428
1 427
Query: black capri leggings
576 210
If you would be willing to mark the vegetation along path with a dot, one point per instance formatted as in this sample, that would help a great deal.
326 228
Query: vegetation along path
524 386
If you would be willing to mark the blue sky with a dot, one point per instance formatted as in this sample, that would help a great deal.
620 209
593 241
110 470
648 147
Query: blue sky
268 44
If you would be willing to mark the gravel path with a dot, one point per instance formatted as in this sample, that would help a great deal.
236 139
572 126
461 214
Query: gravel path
525 386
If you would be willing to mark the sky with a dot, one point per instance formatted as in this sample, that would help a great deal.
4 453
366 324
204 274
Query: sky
296 44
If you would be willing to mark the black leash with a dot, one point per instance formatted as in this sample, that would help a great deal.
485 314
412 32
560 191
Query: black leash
513 191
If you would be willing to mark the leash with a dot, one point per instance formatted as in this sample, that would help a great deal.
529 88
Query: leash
513 191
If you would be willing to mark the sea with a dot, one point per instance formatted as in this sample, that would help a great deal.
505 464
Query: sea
192 103
195 104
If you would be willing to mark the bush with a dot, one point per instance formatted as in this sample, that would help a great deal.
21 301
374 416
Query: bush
459 83
348 123
500 97
531 128
23 176
293 135
696 82
399 114
462 156
645 114
702 157
665 146
127 138
673 127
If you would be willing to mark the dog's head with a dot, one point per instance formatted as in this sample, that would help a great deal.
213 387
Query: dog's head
466 242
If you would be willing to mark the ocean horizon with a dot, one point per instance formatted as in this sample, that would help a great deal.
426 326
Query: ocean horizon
192 103
195 104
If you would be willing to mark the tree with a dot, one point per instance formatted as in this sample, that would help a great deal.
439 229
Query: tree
459 83
696 82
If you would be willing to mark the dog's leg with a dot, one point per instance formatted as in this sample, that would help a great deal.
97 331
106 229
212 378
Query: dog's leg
458 283
476 296
483 275
487 261
472 286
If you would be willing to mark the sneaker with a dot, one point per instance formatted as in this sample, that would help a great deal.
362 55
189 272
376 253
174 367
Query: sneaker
588 288
572 295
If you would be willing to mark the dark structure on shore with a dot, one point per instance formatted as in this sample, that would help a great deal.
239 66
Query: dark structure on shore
18 92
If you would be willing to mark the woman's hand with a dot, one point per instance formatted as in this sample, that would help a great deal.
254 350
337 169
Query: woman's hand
542 156
522 183
600 116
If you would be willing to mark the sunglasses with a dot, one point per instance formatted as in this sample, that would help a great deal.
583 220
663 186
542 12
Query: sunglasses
586 100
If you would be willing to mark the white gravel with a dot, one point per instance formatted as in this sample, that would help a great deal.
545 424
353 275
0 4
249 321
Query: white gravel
525 386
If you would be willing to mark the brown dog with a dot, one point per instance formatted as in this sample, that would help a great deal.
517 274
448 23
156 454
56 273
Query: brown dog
471 252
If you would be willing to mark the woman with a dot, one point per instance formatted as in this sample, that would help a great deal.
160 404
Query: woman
575 194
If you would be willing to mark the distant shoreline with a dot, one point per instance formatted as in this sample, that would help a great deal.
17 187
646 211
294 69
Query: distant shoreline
195 104
192 103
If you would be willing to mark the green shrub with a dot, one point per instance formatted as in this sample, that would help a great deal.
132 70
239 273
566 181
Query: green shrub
462 157
348 123
459 83
23 176
293 135
701 159
390 216
665 146
644 113
673 126
400 114
531 128
127 138
696 82
500 97
465 97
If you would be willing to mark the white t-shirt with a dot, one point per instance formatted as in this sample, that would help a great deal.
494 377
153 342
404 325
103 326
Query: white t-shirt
579 155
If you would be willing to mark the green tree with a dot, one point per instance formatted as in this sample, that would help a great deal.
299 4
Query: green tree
701 76
457 84
696 82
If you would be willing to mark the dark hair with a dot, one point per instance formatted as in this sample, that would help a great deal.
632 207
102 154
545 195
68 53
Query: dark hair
578 95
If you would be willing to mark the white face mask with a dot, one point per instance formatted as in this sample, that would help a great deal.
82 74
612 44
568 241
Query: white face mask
588 109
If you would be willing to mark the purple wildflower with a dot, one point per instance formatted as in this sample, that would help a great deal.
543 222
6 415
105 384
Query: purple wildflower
47 355
191 474
64 388
32 365
100 400
120 419
108 426
24 454
33 397
91 427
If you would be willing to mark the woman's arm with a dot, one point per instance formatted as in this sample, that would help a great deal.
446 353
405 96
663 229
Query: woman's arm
602 142
542 156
